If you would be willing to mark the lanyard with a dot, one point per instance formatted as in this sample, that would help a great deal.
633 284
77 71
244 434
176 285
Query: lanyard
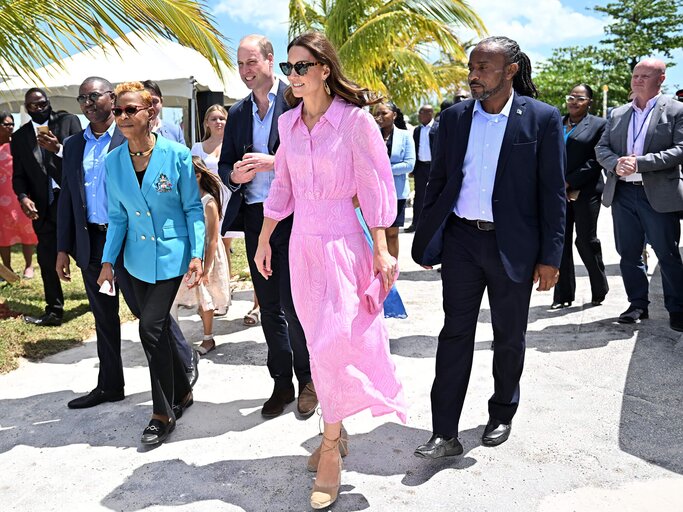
642 125
568 133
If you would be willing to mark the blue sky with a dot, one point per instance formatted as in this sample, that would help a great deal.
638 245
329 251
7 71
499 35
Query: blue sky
538 25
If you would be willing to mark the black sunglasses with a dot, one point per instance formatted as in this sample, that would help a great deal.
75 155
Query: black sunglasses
37 105
130 110
300 67
93 96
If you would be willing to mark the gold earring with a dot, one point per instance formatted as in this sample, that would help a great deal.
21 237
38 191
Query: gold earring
327 88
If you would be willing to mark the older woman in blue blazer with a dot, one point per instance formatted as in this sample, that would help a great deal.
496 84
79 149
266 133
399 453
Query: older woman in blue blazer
154 207
401 150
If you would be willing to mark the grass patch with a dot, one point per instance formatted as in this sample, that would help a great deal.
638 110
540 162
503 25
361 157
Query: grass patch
19 339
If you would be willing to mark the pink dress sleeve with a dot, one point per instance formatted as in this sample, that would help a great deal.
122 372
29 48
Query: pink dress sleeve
374 180
280 201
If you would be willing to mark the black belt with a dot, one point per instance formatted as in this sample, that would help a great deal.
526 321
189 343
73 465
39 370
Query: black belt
423 162
636 183
481 225
98 227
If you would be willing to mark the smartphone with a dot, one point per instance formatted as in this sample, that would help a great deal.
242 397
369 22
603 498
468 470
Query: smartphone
43 129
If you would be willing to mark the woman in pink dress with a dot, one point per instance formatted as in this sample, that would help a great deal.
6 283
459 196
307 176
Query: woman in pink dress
15 227
330 151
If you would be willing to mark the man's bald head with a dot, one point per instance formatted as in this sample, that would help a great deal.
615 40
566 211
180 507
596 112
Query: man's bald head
647 79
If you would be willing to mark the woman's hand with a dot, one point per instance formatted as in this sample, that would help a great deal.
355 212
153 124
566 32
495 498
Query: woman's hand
106 274
194 268
385 264
262 258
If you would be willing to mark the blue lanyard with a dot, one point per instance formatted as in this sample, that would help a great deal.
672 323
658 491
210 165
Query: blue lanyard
568 133
642 125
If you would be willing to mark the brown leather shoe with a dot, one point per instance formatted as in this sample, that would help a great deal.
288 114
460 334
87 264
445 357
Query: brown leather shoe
308 400
275 405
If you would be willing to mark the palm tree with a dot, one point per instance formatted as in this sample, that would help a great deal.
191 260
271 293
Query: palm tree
34 33
386 45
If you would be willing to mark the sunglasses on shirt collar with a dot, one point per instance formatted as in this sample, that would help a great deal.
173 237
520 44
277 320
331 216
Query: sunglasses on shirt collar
300 67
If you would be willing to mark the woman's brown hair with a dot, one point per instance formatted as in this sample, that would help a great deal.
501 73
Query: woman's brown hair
321 48
208 181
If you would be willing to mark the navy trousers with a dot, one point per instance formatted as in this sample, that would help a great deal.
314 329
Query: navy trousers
635 221
284 335
471 264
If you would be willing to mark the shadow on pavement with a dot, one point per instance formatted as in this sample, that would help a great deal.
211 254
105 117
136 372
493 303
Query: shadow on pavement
279 483
651 425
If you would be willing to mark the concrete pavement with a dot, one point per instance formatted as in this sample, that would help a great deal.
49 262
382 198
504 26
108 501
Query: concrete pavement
599 428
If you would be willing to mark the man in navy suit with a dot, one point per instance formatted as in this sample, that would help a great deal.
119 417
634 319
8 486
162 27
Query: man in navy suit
82 220
494 217
246 166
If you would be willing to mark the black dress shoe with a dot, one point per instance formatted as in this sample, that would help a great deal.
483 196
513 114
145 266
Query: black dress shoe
495 433
47 320
439 446
157 431
179 409
96 397
409 229
561 305
633 315
676 321
275 405
193 373
597 301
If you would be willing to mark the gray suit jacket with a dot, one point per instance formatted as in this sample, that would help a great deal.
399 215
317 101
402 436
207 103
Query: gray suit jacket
661 162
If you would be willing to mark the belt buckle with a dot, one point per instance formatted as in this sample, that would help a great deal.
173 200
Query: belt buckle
479 225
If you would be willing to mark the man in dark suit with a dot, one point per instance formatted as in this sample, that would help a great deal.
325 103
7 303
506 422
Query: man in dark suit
423 152
37 158
81 232
494 218
246 166
641 151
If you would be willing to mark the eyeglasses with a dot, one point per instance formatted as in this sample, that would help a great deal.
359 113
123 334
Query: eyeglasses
300 67
93 96
7 125
576 98
130 110
37 105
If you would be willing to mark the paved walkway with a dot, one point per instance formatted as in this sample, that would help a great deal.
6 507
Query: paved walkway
599 428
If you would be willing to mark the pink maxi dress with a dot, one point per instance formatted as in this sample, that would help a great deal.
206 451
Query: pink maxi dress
317 174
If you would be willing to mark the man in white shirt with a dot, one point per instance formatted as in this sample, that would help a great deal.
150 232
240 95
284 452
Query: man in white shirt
424 160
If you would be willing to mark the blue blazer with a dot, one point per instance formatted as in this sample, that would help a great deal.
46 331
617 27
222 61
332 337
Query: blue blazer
172 132
162 222
402 161
528 193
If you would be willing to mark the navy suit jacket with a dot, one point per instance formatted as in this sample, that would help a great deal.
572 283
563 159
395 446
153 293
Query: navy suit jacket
72 220
237 139
528 194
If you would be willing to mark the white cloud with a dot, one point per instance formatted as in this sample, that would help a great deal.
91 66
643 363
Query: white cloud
535 24
271 16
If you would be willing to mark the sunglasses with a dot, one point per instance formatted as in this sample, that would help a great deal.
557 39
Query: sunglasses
300 67
93 96
575 98
37 105
130 110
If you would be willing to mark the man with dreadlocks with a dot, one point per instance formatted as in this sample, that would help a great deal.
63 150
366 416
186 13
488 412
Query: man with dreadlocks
493 216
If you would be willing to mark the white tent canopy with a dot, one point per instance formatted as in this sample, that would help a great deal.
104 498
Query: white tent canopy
179 71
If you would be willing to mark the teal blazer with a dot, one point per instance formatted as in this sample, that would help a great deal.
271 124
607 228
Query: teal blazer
402 161
162 222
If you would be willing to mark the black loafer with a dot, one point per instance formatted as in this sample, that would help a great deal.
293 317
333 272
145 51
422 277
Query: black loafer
676 321
193 373
495 433
47 320
439 446
597 301
275 405
560 305
96 397
156 432
179 409
633 315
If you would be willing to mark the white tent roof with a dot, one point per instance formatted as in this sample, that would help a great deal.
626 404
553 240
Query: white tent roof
170 64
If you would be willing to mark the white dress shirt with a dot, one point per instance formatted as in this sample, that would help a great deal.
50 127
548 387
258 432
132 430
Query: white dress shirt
424 153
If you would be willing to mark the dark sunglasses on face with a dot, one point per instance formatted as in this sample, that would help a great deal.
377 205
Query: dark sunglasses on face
93 96
130 110
37 105
300 67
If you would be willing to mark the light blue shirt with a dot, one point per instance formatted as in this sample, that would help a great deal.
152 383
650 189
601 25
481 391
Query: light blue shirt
95 175
257 189
481 161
